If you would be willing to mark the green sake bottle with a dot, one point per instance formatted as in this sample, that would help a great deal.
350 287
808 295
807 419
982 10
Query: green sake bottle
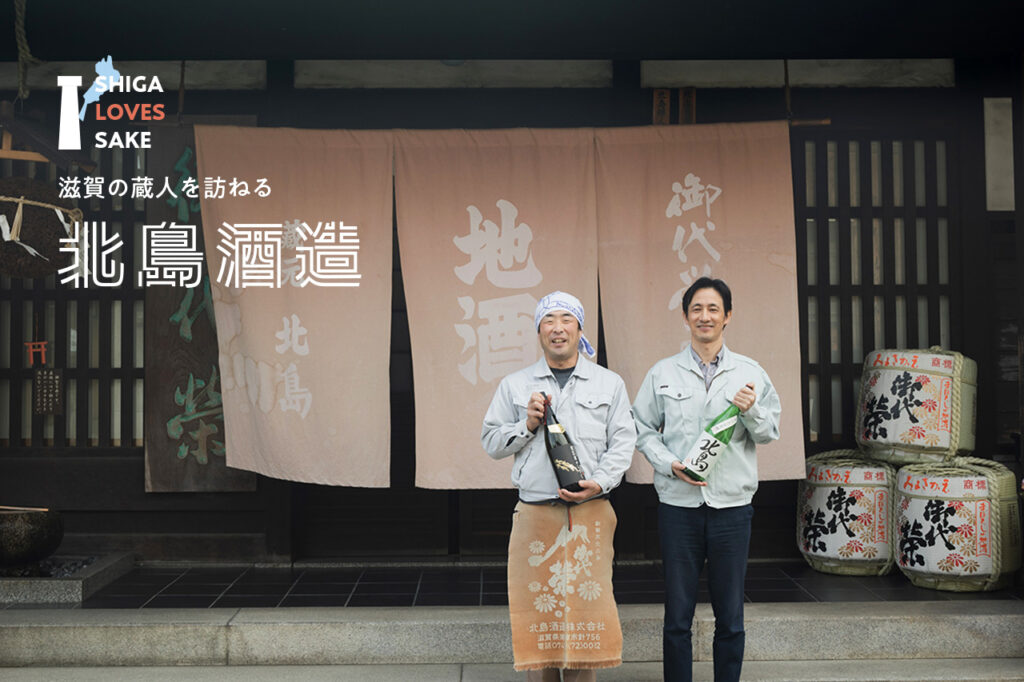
712 442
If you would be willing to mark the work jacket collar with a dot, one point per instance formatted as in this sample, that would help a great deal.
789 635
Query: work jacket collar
584 368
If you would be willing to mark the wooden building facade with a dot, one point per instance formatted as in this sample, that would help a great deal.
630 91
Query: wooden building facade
898 244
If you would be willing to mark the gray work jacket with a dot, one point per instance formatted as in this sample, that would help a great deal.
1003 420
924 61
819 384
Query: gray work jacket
594 409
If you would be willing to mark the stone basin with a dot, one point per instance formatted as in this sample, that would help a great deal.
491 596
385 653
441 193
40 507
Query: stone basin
28 535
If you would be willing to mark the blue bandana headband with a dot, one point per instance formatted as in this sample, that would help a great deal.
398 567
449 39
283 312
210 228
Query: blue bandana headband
559 300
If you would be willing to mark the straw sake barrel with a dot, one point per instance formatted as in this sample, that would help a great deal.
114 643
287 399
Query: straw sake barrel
957 525
917 406
844 514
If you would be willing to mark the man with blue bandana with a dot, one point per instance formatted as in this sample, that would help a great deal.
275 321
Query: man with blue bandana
592 404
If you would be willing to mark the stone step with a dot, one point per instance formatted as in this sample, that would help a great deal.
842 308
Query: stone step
71 590
835 631
919 670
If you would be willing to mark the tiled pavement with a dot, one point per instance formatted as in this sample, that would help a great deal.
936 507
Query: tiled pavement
205 587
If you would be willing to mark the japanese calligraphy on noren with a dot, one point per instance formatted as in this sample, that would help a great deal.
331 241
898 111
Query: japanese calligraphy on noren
694 194
497 332
692 245
292 336
293 339
498 249
504 342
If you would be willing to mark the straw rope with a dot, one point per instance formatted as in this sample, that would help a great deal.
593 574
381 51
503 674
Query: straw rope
958 371
857 458
25 58
986 469
75 214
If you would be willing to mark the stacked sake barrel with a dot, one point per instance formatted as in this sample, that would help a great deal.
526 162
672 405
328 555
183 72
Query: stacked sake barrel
954 525
957 525
917 406
844 515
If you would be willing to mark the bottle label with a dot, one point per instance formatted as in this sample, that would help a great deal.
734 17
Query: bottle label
702 455
556 428
565 465
724 424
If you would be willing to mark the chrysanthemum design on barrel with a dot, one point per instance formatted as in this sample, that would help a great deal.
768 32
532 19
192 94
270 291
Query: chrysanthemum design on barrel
917 405
957 525
844 517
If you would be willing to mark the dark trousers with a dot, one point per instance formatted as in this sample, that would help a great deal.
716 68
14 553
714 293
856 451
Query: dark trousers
688 537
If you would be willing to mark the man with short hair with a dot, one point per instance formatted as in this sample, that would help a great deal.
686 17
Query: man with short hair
705 520
564 619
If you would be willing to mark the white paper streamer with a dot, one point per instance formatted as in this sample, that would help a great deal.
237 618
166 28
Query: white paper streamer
5 229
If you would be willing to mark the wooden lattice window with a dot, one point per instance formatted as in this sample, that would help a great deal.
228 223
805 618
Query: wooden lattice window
95 335
876 238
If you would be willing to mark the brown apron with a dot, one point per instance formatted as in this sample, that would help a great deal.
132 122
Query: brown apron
560 596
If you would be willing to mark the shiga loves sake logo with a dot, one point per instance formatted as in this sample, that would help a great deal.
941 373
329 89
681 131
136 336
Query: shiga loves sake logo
108 79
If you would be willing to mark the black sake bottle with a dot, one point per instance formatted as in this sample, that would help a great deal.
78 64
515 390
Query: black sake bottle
561 451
